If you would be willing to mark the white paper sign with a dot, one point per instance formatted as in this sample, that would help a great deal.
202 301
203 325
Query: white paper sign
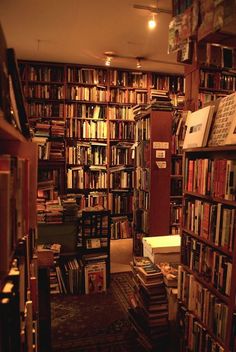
161 164
160 154
160 145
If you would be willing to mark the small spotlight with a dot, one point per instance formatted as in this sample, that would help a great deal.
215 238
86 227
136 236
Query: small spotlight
138 65
108 61
152 21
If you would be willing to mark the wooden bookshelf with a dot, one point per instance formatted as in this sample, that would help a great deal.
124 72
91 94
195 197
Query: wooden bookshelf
18 268
209 77
208 256
152 176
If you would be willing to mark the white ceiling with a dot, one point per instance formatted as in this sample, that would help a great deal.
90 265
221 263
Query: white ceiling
80 31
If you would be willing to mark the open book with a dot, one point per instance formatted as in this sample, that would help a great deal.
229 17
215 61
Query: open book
198 127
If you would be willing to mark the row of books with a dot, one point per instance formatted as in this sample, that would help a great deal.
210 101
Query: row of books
216 56
128 79
91 111
50 149
211 177
200 301
122 179
45 91
213 222
122 154
211 265
66 208
176 212
43 73
122 130
142 199
121 203
142 179
86 75
94 76
197 338
93 94
51 128
170 83
88 129
128 96
176 166
121 227
217 80
45 110
141 220
176 186
77 177
86 154
72 275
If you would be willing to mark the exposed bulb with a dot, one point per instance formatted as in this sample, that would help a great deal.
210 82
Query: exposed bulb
152 22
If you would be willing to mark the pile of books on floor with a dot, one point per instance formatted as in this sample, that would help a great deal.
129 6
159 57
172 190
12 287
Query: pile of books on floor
149 305
70 276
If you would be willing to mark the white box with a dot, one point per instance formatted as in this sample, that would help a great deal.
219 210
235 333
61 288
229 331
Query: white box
162 248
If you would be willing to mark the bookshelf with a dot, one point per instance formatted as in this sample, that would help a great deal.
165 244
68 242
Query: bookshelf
211 74
206 289
176 173
152 175
18 264
84 125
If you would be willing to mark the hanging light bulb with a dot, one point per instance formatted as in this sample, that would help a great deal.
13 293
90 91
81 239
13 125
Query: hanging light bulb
152 21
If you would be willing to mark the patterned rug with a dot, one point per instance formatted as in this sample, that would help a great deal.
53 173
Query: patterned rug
95 323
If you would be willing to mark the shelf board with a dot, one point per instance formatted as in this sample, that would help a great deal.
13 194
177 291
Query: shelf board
9 132
225 148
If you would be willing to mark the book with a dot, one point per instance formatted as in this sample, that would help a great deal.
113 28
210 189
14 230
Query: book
95 277
224 124
198 127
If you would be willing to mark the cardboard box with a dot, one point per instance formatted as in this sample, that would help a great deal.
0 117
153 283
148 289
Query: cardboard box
162 248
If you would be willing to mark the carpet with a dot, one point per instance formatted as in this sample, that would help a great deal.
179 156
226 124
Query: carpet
95 323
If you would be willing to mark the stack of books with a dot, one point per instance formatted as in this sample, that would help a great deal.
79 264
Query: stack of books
149 300
160 100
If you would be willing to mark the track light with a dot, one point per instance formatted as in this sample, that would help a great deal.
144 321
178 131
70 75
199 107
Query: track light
108 61
138 64
152 21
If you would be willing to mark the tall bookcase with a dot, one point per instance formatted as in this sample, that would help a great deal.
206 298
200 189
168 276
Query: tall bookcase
207 289
18 263
152 176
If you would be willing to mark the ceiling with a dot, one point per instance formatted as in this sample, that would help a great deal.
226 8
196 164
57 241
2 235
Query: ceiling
81 31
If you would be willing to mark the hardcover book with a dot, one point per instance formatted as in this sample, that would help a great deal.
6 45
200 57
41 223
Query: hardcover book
224 124
198 127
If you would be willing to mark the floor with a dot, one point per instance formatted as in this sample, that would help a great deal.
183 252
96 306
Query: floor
121 255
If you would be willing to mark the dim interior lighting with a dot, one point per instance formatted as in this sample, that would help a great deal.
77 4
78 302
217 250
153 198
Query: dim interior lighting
152 21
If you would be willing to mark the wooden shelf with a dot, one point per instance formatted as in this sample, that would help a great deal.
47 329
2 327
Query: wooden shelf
9 132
